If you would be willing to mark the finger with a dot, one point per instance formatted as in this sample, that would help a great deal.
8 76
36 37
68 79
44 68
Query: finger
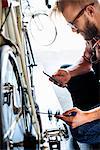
59 73
60 82
71 111
59 78
64 118
71 114
56 81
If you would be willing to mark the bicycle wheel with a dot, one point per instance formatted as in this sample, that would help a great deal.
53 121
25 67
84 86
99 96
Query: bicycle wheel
15 116
1 132
42 28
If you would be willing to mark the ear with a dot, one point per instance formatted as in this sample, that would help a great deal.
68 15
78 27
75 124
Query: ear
90 10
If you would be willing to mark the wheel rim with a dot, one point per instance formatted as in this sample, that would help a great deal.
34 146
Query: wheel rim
11 101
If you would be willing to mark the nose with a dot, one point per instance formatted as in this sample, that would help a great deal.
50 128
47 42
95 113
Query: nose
74 29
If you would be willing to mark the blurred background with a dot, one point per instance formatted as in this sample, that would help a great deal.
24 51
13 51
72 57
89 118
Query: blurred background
54 44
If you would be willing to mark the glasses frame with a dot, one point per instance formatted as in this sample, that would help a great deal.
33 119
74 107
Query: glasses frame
71 23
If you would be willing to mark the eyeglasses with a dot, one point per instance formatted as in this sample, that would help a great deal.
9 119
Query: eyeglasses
71 23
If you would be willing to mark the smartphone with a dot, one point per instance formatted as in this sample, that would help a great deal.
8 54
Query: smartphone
54 80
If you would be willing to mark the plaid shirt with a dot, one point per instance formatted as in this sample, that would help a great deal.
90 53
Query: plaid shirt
92 51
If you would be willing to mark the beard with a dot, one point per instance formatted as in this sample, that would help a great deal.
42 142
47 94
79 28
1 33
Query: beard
90 31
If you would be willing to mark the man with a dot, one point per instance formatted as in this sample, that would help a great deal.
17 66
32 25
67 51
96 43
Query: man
84 17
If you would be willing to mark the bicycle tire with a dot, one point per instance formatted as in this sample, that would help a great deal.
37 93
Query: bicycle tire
1 132
11 104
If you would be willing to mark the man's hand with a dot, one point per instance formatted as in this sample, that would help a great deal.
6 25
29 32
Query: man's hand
62 77
74 117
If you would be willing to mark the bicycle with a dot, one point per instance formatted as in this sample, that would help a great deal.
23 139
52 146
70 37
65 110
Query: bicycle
18 112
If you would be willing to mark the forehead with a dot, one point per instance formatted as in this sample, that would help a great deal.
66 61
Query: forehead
70 12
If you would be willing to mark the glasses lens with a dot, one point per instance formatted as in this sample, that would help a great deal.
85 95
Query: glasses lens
71 25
